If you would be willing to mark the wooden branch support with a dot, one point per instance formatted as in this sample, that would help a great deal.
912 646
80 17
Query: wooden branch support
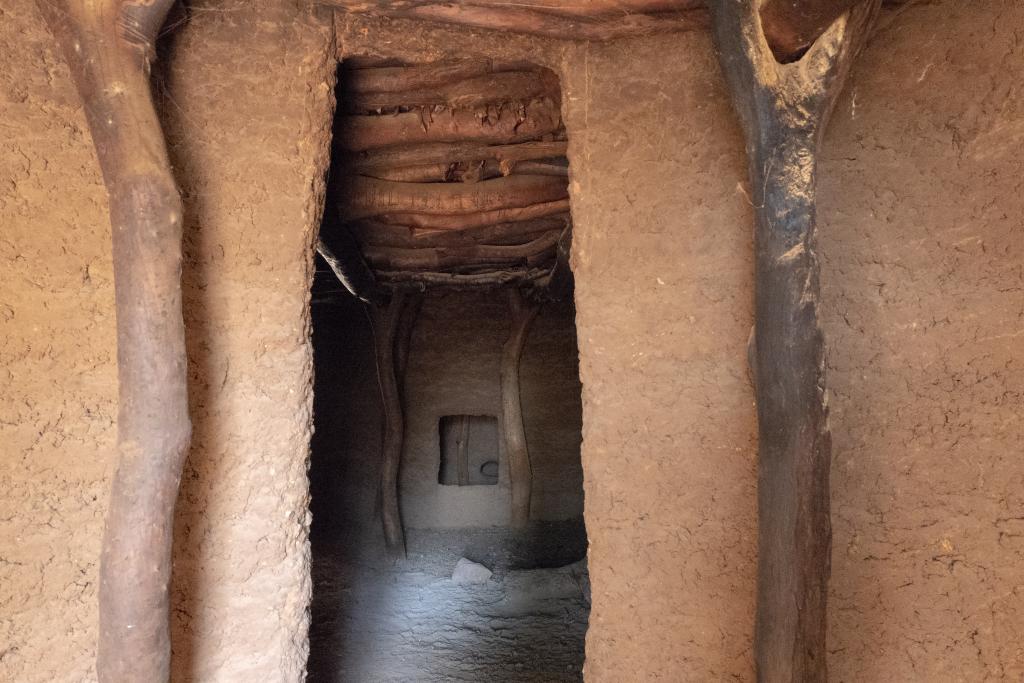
386 323
512 428
340 250
791 26
462 455
425 221
403 337
108 45
500 126
439 258
446 153
363 197
474 92
593 20
373 234
783 109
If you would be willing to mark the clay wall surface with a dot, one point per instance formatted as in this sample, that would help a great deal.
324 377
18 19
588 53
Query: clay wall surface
923 302
247 103
453 369
58 365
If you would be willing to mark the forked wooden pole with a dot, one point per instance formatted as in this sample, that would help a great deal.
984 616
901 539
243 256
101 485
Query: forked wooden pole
386 324
512 428
783 109
109 45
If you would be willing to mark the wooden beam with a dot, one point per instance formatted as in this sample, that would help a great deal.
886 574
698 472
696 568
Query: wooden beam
417 280
361 197
783 109
435 153
385 327
440 258
108 45
791 26
498 125
476 220
513 430
469 93
598 21
341 252
374 234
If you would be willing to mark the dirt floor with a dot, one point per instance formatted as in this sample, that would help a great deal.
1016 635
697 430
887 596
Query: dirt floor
374 621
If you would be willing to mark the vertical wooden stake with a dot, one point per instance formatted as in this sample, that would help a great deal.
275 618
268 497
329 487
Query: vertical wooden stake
462 451
385 328
108 45
784 109
513 430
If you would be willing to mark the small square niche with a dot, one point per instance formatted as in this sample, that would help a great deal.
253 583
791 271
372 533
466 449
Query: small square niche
469 450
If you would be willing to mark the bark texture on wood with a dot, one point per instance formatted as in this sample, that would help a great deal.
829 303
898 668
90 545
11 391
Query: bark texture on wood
108 45
784 109
597 21
791 26
340 250
500 126
366 197
512 428
386 323
434 153
424 221
472 92
440 258
373 234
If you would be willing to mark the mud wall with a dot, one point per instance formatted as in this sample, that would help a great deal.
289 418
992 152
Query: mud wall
923 298
247 105
453 369
923 302
58 375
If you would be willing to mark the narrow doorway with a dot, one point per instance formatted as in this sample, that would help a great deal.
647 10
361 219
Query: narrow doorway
447 536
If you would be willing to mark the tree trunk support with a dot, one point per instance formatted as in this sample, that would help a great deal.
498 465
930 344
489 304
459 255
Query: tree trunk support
783 109
108 45
386 324
513 430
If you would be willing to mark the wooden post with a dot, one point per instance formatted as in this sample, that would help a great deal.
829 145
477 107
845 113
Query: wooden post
783 109
385 328
512 428
108 45
462 451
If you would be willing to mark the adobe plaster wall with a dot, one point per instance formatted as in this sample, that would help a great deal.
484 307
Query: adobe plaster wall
247 102
923 302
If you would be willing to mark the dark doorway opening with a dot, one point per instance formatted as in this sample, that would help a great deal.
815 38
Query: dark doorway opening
470 591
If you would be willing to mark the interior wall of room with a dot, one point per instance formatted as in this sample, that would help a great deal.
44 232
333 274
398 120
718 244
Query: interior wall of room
247 105
58 374
453 370
923 298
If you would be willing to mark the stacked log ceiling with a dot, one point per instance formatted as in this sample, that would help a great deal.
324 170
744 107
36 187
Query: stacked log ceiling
452 173
784 109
